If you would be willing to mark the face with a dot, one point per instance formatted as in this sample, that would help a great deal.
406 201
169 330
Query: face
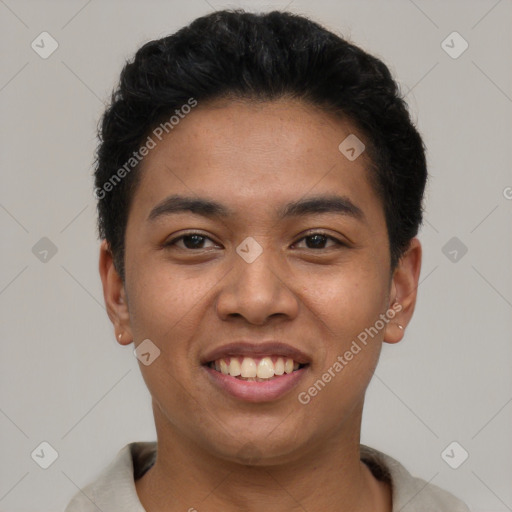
291 262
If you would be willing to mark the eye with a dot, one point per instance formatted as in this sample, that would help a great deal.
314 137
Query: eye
192 240
318 240
195 240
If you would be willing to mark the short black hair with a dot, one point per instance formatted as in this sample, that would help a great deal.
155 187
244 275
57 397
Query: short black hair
264 56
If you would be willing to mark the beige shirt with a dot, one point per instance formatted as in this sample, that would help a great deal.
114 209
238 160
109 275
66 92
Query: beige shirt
114 488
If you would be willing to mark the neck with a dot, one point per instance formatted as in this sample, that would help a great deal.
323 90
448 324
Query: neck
327 477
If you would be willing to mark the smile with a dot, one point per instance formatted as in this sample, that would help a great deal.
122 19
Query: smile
255 372
255 369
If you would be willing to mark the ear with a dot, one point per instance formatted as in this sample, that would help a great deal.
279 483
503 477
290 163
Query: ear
404 287
114 295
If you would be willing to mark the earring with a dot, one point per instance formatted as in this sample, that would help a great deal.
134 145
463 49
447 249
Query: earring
119 336
400 326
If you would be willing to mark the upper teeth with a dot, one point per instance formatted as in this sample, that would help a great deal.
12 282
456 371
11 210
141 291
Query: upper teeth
248 367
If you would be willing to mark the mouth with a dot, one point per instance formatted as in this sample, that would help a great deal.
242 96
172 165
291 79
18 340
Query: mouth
256 369
259 372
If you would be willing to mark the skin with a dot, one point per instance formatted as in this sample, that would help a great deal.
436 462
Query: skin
220 453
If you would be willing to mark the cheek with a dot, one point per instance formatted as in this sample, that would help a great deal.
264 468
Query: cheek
164 300
343 311
169 309
347 300
342 307
165 309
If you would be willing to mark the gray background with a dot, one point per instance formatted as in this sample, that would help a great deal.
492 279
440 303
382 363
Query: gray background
66 381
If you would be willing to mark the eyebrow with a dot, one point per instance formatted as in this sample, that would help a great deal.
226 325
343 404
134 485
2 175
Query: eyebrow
341 205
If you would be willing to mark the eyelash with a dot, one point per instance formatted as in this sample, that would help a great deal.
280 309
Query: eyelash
309 235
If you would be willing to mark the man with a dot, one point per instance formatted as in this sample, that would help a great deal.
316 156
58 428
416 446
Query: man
260 189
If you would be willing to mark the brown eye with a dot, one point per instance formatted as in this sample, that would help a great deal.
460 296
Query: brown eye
190 241
318 241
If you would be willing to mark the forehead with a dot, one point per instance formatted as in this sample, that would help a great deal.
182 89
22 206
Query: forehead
249 154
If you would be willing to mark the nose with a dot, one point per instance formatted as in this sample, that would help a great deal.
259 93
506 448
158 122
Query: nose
257 291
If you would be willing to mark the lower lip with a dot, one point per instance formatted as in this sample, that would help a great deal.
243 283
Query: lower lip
252 391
